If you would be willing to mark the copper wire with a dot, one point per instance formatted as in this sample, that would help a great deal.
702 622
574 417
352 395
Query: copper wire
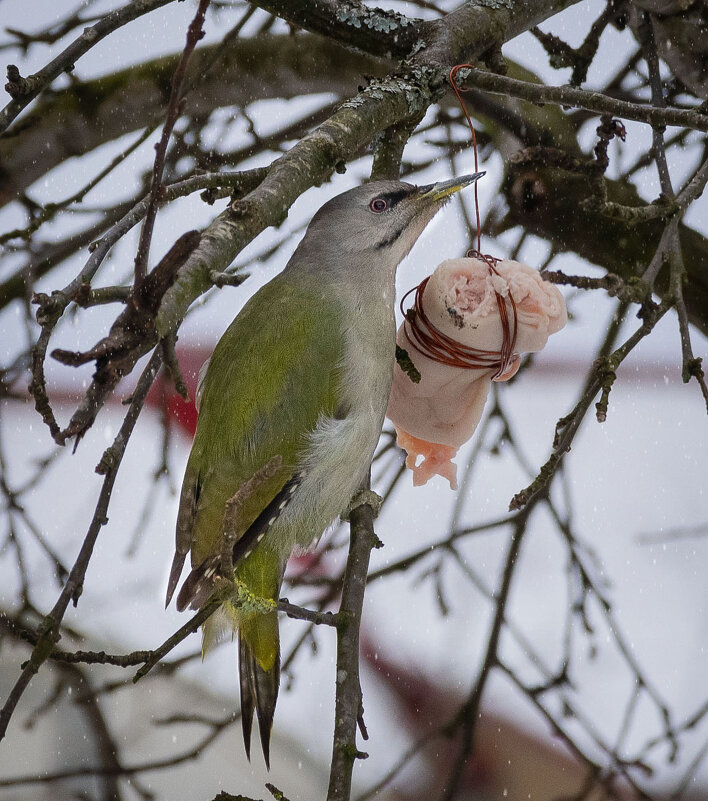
453 73
429 340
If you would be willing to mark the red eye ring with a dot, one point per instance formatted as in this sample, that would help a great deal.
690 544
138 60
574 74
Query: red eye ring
378 204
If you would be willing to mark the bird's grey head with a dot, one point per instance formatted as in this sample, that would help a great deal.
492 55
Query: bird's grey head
375 224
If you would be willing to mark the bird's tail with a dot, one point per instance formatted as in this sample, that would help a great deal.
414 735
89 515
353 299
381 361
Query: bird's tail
259 643
258 580
259 680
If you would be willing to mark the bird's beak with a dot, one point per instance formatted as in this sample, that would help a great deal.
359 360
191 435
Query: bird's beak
443 189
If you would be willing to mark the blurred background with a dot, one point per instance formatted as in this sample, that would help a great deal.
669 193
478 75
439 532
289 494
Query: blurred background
600 683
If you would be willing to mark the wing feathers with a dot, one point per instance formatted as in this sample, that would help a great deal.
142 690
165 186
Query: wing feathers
189 498
275 372
261 525
200 583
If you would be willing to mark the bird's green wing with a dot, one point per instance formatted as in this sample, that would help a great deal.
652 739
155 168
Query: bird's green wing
274 372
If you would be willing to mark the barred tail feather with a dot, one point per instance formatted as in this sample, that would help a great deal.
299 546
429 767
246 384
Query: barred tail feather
245 671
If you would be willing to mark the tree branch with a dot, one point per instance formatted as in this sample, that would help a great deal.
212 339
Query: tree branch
348 703
76 120
66 60
579 98
375 31
195 32
49 629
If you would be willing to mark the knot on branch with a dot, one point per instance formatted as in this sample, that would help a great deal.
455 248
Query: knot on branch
353 753
693 368
527 192
365 497
606 131
539 486
50 307
606 372
17 86
242 207
649 312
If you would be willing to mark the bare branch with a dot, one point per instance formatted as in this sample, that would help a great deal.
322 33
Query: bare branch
174 108
348 703
569 425
66 60
579 98
49 628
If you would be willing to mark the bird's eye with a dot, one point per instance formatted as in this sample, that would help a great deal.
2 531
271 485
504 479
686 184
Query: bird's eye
378 204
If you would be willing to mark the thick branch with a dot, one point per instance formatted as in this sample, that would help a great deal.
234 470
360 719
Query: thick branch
480 25
310 162
351 23
548 202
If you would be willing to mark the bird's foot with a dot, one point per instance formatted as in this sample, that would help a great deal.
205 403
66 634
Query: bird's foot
248 601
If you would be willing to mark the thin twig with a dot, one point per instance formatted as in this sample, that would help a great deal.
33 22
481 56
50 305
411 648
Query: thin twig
568 426
174 109
579 98
646 36
49 629
469 713
66 60
49 211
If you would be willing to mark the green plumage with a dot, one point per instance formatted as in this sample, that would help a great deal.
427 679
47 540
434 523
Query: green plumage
284 345
273 375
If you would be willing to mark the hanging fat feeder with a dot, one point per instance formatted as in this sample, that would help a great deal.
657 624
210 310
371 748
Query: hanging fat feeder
469 323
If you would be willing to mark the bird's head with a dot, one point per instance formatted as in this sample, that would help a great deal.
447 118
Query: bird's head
378 222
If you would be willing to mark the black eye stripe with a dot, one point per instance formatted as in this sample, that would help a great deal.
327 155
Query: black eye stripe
396 196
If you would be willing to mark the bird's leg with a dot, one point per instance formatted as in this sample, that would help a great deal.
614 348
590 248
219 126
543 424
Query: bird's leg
233 509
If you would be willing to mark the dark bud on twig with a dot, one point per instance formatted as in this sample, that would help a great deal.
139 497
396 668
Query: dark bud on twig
16 85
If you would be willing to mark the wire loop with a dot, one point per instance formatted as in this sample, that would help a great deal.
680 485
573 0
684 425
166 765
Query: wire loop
429 340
